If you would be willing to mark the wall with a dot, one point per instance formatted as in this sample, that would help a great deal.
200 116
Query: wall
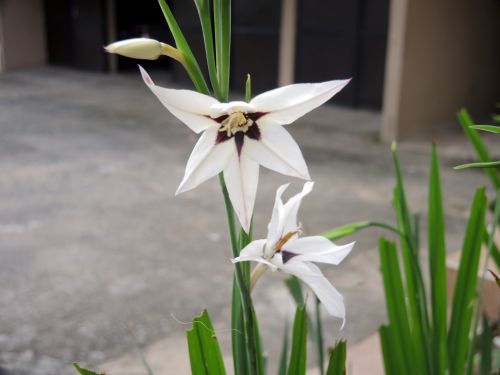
22 34
442 55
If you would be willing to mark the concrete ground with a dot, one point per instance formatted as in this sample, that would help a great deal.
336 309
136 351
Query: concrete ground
97 256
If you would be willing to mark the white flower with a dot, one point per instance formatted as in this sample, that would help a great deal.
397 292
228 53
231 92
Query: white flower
238 136
284 250
136 48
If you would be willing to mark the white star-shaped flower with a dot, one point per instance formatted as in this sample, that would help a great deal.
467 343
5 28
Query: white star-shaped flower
285 250
238 136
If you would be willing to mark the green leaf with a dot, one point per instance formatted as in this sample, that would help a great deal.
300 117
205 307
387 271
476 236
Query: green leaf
415 291
222 22
486 346
297 365
204 351
487 128
337 363
437 266
489 164
192 67
238 336
83 371
391 353
284 352
203 7
318 336
348 229
481 150
465 286
402 346
489 237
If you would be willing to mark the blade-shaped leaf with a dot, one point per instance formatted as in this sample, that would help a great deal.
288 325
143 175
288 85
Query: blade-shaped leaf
238 336
487 128
337 363
193 69
486 346
293 285
489 164
481 150
346 230
437 266
465 286
318 335
222 22
204 351
83 371
297 365
401 343
391 352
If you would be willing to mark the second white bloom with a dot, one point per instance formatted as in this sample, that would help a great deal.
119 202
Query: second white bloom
238 136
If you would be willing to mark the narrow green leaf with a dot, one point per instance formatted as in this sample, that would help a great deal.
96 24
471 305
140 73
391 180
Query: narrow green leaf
337 363
203 7
437 266
261 363
402 344
481 150
193 69
489 164
222 22
486 346
465 286
489 237
417 301
238 337
284 352
248 88
297 365
204 351
318 337
346 230
83 371
391 352
487 128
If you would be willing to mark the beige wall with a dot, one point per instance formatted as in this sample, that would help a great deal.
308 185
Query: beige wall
442 54
22 34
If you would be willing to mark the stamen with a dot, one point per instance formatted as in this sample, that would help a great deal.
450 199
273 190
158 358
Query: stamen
234 123
284 240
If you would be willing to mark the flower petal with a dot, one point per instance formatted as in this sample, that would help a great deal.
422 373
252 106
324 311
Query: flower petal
206 160
311 275
289 221
191 107
318 249
254 251
286 104
277 150
242 177
274 231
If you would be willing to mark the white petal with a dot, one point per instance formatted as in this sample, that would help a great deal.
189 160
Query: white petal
242 177
311 275
274 231
318 249
277 150
206 160
191 107
286 104
254 251
289 221
228 108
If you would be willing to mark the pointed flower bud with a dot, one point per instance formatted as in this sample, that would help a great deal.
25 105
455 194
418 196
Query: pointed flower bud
145 49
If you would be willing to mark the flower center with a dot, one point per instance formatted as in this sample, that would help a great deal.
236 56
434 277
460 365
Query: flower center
235 122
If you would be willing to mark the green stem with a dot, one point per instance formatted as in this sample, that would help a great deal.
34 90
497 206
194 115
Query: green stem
246 301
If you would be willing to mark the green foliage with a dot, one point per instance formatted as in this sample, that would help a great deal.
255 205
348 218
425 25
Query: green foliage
297 365
348 229
204 351
284 352
480 148
486 348
337 363
487 128
83 371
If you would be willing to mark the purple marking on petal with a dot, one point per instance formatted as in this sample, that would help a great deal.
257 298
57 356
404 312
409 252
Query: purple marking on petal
253 132
239 138
256 115
287 255
219 119
222 137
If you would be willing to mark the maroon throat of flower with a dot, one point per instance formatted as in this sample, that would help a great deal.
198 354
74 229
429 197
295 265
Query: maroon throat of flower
278 248
237 125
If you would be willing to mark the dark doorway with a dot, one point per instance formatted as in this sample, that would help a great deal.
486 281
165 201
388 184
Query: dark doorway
341 39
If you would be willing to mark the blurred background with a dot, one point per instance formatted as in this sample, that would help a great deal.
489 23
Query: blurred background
97 258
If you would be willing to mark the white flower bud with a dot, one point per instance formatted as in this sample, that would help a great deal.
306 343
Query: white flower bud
137 48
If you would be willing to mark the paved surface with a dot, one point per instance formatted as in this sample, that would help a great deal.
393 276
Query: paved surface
97 257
